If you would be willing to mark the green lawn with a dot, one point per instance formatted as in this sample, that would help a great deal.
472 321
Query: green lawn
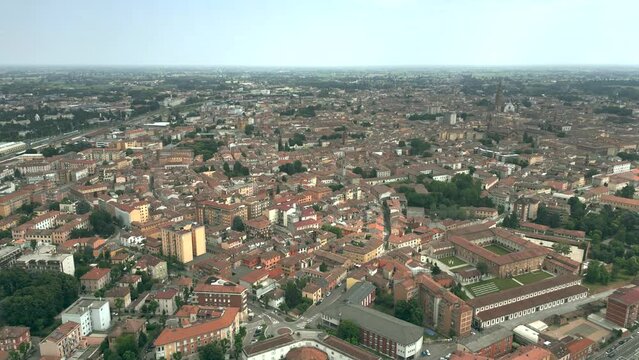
462 268
497 249
490 286
532 277
452 261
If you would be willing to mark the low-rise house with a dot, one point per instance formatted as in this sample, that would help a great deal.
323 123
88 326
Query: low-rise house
95 279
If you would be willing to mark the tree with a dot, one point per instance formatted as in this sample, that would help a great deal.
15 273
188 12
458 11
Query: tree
348 331
103 223
482 267
212 351
323 267
49 151
410 311
563 249
511 221
177 356
119 304
238 341
238 224
33 244
152 307
82 207
128 152
292 295
435 270
628 192
249 129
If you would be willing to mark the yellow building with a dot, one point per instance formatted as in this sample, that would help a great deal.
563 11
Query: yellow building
184 240
365 253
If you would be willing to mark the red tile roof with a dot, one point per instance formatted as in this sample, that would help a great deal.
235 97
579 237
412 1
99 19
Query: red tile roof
179 334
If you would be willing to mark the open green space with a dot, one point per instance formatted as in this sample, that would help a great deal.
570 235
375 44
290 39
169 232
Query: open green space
452 261
497 249
490 286
532 277
462 268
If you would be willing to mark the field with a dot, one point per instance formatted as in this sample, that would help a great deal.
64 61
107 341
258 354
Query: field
452 261
532 277
490 286
497 249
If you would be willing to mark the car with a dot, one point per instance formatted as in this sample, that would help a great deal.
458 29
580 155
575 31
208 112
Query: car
611 355
448 356
253 341
426 353
328 294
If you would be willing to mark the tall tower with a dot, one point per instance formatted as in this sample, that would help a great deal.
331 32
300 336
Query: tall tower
499 101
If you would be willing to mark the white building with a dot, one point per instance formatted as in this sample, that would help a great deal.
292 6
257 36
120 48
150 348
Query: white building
55 262
92 314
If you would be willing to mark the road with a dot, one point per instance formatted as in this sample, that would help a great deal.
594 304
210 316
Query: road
629 350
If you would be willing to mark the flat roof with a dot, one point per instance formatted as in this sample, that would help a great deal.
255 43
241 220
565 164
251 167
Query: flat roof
383 324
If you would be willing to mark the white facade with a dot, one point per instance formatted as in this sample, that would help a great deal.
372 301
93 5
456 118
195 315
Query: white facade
409 350
92 314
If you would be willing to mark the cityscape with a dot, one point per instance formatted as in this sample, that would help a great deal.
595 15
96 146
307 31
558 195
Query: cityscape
356 210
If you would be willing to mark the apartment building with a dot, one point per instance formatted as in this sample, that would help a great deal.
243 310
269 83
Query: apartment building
62 342
184 240
224 294
442 309
188 340
363 254
90 314
12 336
47 262
215 213
11 202
623 307
9 255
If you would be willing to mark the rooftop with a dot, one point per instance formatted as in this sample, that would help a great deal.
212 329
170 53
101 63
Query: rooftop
383 324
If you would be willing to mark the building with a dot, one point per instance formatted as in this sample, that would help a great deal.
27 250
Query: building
167 301
224 294
443 311
184 240
11 202
363 254
155 267
472 243
526 208
118 292
306 345
620 202
62 342
623 306
12 336
361 293
215 213
53 262
313 292
381 332
513 303
9 255
8 148
187 340
95 279
492 343
90 313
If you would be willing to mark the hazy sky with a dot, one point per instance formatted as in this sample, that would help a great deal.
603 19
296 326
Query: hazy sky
319 32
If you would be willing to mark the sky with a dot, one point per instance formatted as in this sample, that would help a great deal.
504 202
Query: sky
319 33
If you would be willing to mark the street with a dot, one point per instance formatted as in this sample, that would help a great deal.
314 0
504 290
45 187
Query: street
623 349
